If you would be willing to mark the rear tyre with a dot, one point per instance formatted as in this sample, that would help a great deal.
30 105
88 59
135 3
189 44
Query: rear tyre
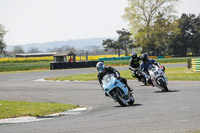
163 85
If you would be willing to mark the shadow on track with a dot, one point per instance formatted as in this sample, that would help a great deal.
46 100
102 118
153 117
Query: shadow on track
134 105
167 92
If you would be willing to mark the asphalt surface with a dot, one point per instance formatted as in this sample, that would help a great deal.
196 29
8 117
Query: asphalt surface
153 112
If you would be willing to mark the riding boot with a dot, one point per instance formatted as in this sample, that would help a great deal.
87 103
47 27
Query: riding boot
106 94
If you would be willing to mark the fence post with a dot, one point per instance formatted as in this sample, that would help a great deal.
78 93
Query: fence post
189 63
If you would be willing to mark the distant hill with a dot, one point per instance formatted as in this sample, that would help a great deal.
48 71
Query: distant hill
78 44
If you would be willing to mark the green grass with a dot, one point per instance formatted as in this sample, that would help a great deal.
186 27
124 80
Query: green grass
80 77
182 74
9 109
161 60
172 73
174 60
24 66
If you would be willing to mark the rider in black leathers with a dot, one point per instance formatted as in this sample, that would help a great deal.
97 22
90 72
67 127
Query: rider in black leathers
135 64
134 61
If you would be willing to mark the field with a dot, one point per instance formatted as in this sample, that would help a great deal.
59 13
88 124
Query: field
24 66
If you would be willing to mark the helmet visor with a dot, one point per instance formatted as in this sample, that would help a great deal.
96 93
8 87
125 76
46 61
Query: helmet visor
100 69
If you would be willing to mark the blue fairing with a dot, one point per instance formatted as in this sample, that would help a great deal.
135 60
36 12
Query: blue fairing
110 83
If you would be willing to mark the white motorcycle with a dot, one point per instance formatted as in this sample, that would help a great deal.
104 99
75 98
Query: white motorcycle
158 78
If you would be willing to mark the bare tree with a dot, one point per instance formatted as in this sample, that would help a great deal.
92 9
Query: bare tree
18 49
34 50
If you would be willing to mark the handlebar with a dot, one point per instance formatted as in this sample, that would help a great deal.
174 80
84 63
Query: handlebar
132 69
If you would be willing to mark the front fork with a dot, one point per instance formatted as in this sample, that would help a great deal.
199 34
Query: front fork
125 93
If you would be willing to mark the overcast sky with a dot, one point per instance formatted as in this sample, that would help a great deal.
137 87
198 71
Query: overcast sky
32 21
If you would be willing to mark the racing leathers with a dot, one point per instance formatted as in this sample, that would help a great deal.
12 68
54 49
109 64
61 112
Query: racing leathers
111 70
145 65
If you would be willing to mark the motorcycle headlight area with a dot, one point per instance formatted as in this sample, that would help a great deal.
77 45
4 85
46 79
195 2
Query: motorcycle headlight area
107 80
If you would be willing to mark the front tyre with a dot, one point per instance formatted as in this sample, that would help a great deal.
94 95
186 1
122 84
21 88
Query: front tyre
163 85
120 97
132 100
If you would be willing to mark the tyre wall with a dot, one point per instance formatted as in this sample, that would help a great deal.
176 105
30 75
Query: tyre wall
68 65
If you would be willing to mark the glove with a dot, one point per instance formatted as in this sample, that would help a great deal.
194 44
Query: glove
117 76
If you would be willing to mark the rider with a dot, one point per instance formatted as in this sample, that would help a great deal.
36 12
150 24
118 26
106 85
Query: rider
147 63
135 63
103 70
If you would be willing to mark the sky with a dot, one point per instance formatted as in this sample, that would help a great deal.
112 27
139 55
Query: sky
38 21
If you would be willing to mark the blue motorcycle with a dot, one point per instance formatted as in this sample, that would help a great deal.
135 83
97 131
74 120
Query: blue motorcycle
116 90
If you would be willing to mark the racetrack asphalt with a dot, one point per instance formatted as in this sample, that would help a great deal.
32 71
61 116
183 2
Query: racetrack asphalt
153 112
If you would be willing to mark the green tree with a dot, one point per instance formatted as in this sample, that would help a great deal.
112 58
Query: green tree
125 40
195 45
187 40
110 44
122 43
161 32
2 43
142 14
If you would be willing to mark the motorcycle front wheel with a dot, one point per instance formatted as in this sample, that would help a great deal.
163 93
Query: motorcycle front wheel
120 97
163 85
132 100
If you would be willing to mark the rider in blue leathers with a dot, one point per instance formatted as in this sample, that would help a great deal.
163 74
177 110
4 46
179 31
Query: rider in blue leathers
146 64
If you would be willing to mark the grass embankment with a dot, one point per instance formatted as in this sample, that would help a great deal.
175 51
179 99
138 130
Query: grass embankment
9 109
162 60
172 73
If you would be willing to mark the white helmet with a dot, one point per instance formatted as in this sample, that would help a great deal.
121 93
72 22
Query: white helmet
100 67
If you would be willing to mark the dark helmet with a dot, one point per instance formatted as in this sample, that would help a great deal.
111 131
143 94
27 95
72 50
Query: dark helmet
144 57
134 56
100 67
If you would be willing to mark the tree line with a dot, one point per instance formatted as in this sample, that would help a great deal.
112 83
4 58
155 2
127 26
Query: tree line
155 29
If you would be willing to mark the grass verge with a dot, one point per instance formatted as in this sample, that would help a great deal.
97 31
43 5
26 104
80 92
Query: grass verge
161 60
10 109
5 67
172 73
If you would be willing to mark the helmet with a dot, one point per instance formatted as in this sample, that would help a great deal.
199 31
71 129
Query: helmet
144 57
134 56
100 67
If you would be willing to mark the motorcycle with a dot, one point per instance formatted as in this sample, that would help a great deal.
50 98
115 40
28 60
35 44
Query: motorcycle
116 90
158 78
139 75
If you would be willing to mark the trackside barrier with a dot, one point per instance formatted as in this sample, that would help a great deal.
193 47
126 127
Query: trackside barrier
195 64
68 65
